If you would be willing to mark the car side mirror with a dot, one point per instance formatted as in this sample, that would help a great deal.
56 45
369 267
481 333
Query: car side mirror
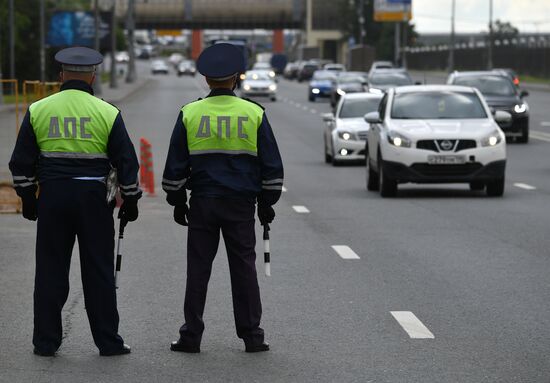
503 117
523 93
373 118
328 117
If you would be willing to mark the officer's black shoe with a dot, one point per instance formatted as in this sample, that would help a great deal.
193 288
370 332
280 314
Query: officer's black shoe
43 353
182 346
257 347
120 351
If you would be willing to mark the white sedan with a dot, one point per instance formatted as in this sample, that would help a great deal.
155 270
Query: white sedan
346 131
258 83
435 134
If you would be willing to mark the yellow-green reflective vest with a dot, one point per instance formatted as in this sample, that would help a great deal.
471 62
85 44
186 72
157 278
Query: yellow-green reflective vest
72 124
222 124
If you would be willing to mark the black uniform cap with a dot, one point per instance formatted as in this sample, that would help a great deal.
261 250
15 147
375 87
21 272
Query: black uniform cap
79 59
221 61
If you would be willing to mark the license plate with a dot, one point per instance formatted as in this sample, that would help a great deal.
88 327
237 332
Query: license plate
446 160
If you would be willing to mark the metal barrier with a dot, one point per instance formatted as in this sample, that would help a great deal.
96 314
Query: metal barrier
16 93
32 91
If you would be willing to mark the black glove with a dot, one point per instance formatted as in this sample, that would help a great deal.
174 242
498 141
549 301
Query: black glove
265 214
30 208
180 214
128 210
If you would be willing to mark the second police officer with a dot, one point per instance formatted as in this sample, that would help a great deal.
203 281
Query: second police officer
67 144
223 150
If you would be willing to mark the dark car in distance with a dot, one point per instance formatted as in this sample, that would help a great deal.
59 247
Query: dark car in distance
501 94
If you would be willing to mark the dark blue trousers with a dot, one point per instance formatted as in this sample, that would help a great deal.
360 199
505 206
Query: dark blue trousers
235 219
69 209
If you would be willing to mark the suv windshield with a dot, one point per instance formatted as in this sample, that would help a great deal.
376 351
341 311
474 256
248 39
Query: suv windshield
493 85
356 108
437 105
324 75
390 79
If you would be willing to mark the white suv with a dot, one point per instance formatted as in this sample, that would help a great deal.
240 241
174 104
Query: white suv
435 134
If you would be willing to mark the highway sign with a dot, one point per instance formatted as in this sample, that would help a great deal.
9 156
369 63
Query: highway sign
392 10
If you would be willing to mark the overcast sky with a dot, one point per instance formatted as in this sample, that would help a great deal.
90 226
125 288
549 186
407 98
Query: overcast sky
473 15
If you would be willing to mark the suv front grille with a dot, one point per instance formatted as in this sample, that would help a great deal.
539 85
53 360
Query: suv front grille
431 145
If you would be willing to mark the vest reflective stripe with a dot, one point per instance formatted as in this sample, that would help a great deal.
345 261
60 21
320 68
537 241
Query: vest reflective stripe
72 121
88 156
220 151
223 125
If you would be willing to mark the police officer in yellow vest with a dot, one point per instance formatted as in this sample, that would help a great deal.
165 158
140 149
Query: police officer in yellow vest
223 150
68 143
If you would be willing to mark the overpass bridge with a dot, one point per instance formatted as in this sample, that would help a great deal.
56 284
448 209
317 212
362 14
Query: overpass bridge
315 17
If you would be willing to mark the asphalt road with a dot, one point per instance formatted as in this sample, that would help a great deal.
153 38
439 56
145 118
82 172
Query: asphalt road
472 270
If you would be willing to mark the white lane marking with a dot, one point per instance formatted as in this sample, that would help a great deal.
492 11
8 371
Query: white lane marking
524 186
305 107
284 190
545 123
313 111
538 137
540 133
345 252
300 209
412 325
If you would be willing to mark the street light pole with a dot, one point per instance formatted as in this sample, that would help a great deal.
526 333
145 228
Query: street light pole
113 79
490 48
130 27
452 43
11 38
97 46
42 42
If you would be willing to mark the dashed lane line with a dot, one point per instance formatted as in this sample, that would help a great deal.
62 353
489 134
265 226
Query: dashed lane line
284 189
313 111
540 138
545 123
345 252
524 186
300 209
412 325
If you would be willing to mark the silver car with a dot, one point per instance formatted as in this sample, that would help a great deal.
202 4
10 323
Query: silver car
258 83
346 131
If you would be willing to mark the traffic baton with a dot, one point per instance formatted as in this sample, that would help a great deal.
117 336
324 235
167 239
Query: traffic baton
267 256
123 223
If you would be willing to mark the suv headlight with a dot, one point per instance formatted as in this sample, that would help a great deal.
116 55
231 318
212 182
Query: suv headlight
246 87
520 108
398 140
346 136
492 139
340 92
273 87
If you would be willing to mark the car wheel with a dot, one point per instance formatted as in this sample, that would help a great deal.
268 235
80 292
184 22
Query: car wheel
477 186
328 158
524 135
373 181
495 188
388 187
312 98
334 161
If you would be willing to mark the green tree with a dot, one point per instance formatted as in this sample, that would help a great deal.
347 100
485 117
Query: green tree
379 35
504 30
